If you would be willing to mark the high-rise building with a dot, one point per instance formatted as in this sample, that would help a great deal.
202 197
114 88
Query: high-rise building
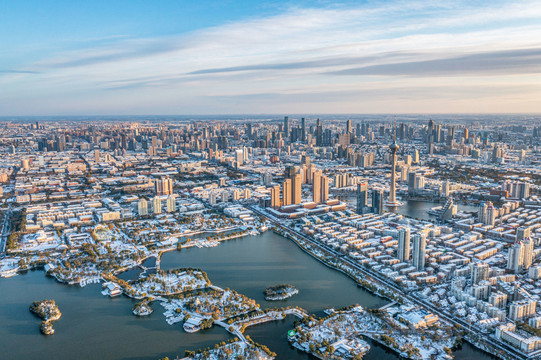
245 154
377 202
319 133
157 205
528 252
324 188
213 197
142 207
517 190
515 258
487 213
286 126
287 192
445 189
362 197
416 183
316 186
419 251
239 157
295 190
523 233
415 157
163 186
479 272
171 203
305 160
403 244
349 129
290 172
296 184
520 256
341 180
522 309
303 129
275 197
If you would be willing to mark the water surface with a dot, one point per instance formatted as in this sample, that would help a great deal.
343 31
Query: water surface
96 327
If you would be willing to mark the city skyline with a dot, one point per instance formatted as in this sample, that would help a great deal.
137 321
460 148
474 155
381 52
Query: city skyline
429 228
249 58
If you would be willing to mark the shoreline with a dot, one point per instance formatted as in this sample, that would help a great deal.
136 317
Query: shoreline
465 338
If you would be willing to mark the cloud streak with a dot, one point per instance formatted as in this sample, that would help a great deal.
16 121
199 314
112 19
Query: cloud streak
520 61
376 47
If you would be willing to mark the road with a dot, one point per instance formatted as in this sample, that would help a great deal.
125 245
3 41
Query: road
473 330
6 228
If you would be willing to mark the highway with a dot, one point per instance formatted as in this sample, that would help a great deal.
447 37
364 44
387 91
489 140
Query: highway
385 282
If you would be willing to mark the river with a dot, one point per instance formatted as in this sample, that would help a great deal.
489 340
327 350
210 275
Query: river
412 208
93 326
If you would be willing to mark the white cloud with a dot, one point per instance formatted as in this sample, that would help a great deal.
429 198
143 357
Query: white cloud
297 51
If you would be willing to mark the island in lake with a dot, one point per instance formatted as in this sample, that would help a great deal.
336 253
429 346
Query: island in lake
142 308
49 312
280 292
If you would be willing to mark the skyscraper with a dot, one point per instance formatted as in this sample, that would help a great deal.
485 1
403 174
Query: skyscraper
324 188
296 195
319 133
377 202
275 196
286 126
303 129
419 251
362 197
349 129
316 186
403 244
287 192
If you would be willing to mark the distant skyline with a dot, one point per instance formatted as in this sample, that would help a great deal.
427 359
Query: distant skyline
249 57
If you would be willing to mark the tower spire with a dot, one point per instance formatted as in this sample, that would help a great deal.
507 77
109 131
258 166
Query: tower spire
394 129
391 202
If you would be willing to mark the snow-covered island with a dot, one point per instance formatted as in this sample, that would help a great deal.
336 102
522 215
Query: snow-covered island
412 332
49 312
233 350
142 308
280 292
164 283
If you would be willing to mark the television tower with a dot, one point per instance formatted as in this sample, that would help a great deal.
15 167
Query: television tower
391 202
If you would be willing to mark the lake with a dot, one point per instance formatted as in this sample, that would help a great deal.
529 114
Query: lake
94 326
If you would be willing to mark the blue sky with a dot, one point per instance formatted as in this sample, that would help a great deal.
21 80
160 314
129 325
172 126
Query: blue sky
214 57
